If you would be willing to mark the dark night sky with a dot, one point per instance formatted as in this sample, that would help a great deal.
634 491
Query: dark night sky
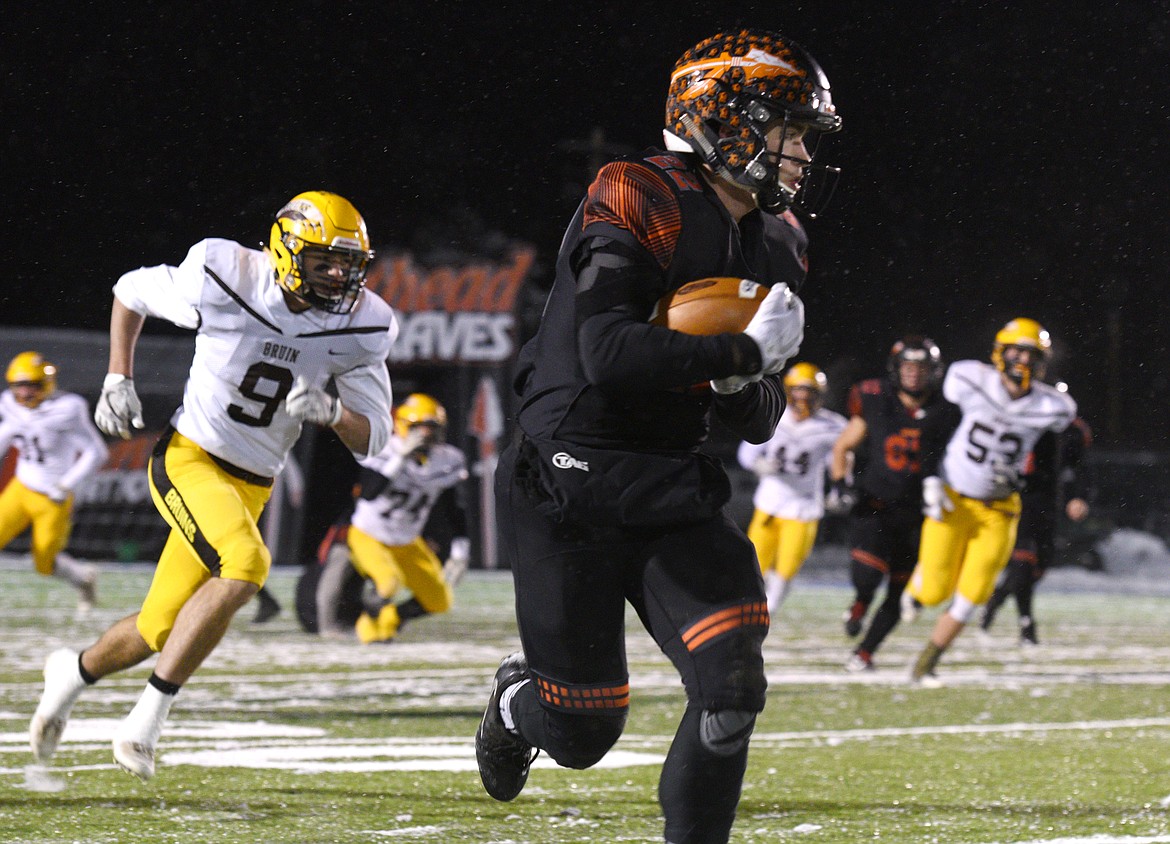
997 162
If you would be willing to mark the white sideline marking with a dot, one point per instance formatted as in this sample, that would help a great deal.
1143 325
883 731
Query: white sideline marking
87 730
254 745
959 729
388 756
1104 839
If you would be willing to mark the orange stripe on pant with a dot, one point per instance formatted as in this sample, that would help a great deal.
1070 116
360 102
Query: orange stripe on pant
716 624
568 697
867 559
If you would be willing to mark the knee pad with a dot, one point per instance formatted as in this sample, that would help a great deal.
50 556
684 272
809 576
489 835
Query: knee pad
580 741
961 609
725 732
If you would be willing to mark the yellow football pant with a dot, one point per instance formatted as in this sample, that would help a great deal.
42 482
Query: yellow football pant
966 551
390 567
213 517
782 545
51 522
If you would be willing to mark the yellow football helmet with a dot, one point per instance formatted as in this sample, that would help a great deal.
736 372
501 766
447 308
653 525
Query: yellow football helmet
320 251
1021 334
421 409
31 378
805 385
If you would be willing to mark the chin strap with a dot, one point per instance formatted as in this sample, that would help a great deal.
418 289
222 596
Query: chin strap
773 200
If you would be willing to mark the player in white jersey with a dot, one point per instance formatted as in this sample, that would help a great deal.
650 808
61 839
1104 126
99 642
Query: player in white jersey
973 509
790 498
273 328
399 487
57 447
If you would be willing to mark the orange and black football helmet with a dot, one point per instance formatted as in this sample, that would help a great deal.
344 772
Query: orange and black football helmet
724 94
915 381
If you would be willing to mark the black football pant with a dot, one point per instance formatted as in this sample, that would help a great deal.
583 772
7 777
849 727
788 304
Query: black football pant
697 590
885 545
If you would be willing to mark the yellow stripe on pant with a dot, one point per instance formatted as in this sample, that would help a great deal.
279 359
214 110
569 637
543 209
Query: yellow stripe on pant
213 518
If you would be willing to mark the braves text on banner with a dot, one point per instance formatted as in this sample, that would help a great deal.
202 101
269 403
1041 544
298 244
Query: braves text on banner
451 314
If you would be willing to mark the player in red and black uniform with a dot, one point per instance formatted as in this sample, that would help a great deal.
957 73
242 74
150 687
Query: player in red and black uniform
605 497
1051 483
900 425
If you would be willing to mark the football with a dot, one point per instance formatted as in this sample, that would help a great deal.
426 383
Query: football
710 306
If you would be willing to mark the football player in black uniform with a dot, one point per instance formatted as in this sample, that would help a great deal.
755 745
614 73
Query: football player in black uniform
604 496
1050 481
903 423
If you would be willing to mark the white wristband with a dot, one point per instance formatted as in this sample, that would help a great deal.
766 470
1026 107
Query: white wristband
113 379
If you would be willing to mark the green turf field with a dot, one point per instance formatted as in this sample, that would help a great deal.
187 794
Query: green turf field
283 737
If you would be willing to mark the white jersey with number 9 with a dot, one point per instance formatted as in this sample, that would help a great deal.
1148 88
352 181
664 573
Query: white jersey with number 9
250 347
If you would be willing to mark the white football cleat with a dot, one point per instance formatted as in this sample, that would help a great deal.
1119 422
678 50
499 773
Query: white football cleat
858 663
909 607
135 758
87 592
454 569
136 738
63 685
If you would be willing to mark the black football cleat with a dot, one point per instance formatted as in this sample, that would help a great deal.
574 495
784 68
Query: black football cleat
853 618
1028 632
268 607
503 757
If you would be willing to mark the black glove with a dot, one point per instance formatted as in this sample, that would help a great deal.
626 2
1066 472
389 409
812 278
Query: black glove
840 498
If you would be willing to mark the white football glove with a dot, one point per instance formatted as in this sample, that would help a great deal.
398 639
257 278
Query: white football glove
312 404
935 501
412 442
118 409
764 465
400 449
457 561
1005 479
58 494
777 328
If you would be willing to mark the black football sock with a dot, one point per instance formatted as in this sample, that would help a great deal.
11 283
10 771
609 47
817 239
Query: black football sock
698 790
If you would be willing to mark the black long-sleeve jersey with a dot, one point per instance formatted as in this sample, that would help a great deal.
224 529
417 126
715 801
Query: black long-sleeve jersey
902 446
597 373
